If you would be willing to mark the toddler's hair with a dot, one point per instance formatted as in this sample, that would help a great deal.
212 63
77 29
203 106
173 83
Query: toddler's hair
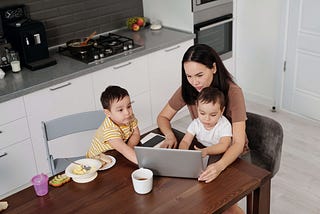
211 95
112 93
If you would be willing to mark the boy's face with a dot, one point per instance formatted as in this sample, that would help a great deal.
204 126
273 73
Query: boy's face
120 111
209 114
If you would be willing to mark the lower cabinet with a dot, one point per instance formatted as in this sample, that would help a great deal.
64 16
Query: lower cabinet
133 76
67 98
17 167
165 75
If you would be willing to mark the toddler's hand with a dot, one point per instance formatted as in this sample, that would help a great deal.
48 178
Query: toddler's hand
203 151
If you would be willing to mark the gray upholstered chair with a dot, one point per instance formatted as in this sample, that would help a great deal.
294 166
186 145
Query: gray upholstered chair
69 137
265 137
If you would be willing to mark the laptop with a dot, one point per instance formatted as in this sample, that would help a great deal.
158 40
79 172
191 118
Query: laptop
171 162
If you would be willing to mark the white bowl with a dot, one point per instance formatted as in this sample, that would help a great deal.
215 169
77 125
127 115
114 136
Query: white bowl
95 165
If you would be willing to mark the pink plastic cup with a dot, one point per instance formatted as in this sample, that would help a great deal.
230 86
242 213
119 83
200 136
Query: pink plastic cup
40 184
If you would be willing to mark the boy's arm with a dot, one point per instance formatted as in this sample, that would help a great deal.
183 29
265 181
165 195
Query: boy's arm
119 145
186 141
134 139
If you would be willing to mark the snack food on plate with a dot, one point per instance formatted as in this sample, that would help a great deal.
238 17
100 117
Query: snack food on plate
59 180
104 159
79 170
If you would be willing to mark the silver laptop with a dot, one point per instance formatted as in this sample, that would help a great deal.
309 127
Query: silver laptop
171 162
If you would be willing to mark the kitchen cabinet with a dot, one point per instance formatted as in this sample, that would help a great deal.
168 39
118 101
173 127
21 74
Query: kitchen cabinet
165 75
18 175
59 100
133 76
15 147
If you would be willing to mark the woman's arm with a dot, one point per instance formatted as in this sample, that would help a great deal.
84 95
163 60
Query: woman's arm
163 120
232 153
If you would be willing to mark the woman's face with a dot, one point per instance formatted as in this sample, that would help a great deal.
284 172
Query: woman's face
198 75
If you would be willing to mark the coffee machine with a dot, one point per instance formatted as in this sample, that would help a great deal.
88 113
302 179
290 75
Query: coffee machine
26 36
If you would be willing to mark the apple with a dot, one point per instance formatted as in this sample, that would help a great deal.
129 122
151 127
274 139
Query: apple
135 27
140 21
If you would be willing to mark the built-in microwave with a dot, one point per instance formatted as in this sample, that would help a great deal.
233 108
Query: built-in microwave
198 5
213 26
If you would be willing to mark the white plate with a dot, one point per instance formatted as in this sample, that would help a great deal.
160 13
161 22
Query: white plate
85 180
109 165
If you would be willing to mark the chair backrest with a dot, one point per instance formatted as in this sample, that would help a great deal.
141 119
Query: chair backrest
68 137
265 137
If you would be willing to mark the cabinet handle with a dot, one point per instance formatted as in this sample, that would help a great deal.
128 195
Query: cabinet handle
120 66
171 49
4 154
61 86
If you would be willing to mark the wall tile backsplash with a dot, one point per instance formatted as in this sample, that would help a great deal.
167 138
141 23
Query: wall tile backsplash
70 19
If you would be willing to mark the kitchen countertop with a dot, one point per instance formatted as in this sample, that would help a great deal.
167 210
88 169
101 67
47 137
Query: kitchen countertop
26 81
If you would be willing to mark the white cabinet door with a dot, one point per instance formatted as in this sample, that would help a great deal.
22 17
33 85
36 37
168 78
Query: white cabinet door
11 110
133 76
17 166
70 97
165 75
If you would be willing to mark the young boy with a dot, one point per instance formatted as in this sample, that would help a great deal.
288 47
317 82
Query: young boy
119 130
211 128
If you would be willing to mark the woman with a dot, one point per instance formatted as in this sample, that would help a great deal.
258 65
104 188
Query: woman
202 67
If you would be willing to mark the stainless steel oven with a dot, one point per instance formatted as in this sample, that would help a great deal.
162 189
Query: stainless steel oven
213 25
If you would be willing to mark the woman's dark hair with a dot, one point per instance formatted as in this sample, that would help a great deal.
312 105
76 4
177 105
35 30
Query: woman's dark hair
211 95
111 94
205 55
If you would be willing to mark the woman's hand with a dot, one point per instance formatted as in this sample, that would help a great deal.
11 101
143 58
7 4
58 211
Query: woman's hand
169 142
211 172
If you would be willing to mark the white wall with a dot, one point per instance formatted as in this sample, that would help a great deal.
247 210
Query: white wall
259 49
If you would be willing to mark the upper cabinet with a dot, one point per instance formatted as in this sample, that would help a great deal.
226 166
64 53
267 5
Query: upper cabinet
59 100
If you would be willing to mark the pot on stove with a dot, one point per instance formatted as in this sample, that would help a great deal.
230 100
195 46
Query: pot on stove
75 47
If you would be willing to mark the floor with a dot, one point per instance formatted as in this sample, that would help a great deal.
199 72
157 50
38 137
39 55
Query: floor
296 187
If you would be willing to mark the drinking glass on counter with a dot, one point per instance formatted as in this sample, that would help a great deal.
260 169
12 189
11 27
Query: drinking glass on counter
15 61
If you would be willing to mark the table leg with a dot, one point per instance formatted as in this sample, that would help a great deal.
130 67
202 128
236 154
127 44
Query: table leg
261 199
250 203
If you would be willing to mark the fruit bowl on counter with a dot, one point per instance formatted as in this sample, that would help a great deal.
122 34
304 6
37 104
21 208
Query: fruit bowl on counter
136 23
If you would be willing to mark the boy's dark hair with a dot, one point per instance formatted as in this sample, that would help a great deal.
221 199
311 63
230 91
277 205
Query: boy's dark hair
112 93
211 95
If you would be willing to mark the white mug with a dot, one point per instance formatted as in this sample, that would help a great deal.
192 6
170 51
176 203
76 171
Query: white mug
142 180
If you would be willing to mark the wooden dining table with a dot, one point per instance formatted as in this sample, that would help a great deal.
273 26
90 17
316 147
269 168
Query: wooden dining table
112 192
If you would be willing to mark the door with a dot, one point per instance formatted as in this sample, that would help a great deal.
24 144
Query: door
301 88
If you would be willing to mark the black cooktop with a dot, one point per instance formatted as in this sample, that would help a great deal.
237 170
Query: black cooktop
104 47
